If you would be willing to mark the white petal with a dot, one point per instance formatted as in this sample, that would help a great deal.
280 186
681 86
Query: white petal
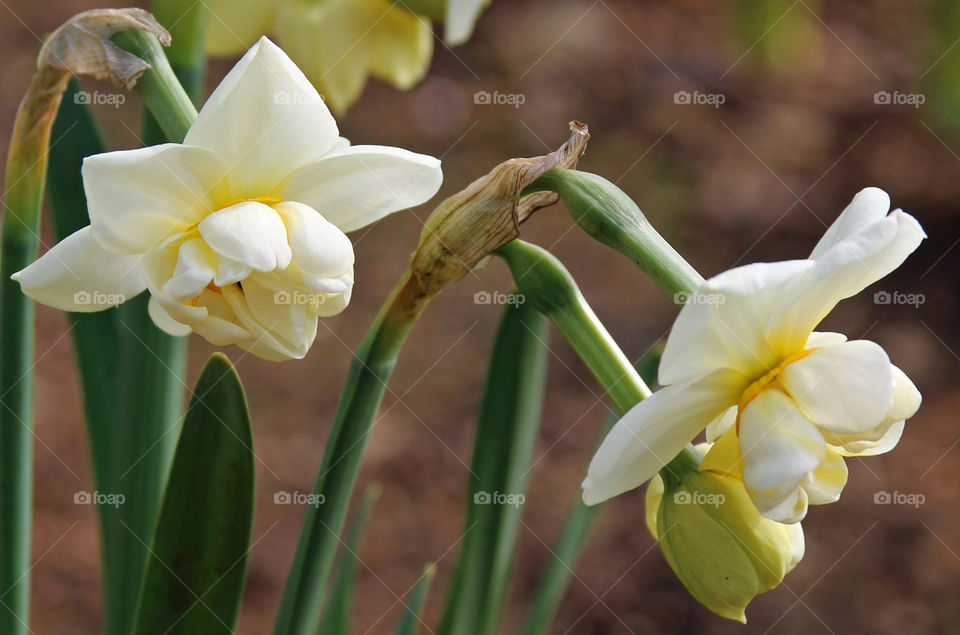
655 430
824 484
905 403
77 274
797 543
779 447
872 448
138 198
194 270
249 232
362 184
318 247
265 120
163 320
845 389
843 270
324 296
221 326
867 207
788 508
819 339
461 16
724 324
906 397
282 330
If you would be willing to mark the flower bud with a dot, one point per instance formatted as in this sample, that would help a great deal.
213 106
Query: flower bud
466 228
716 541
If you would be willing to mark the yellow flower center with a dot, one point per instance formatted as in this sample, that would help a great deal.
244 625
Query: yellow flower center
266 200
771 379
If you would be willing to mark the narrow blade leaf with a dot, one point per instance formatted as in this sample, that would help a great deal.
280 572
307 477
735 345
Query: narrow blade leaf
506 431
194 575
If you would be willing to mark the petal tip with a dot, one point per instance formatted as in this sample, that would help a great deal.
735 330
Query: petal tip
875 197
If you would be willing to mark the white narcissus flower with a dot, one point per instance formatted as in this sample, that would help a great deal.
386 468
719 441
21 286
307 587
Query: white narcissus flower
744 362
238 233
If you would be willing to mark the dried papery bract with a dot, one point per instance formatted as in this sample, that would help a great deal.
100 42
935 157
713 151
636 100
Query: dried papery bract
465 229
80 46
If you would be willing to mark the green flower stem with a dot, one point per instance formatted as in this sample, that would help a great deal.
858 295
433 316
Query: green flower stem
187 22
360 400
153 363
25 178
546 283
611 217
162 92
602 210
549 286
607 214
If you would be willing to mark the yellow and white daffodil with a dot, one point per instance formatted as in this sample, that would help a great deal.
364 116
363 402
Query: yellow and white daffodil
744 362
238 233
722 550
339 43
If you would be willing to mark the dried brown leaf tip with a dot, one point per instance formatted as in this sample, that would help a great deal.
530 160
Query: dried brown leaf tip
465 229
82 45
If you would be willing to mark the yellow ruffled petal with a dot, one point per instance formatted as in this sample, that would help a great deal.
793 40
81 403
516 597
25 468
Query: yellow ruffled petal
339 43
652 503
402 47
331 42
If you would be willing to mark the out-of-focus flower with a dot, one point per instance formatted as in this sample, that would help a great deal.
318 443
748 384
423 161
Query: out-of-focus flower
238 232
458 16
716 541
339 43
743 361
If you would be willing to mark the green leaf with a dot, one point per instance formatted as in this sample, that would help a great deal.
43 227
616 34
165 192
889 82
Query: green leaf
335 619
362 394
507 429
194 575
77 136
407 624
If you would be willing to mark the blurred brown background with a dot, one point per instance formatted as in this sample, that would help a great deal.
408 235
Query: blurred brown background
757 178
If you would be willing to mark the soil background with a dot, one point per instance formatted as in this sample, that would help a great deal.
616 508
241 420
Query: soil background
756 178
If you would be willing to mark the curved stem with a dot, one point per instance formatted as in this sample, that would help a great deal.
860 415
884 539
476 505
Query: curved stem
372 365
